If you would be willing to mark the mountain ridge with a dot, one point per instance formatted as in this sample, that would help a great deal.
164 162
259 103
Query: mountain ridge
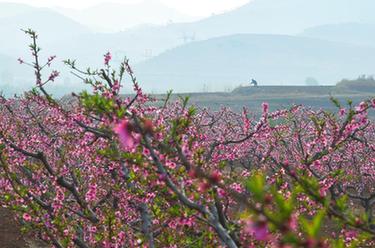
125 15
229 61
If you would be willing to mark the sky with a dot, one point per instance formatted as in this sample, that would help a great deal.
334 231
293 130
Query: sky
189 7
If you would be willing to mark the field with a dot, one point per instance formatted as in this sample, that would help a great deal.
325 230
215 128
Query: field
278 97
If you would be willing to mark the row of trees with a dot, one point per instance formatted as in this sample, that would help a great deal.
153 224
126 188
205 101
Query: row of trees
362 83
114 171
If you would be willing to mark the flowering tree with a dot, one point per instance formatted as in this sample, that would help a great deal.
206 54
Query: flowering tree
116 171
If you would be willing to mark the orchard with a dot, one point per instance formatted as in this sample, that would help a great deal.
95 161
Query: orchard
112 171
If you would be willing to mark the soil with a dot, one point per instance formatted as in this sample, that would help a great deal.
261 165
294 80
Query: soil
10 234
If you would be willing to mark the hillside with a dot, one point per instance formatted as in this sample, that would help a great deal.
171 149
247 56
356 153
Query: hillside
354 33
8 9
189 62
51 26
258 16
288 16
141 43
121 16
10 82
229 61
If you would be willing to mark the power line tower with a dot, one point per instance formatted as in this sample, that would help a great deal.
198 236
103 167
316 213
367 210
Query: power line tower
148 53
188 37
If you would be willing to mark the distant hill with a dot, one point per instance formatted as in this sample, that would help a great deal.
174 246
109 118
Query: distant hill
215 53
117 17
141 43
52 28
289 16
13 9
7 65
50 25
277 17
258 16
226 62
10 81
354 33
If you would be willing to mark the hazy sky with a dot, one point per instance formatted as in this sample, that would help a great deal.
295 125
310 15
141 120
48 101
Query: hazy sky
190 7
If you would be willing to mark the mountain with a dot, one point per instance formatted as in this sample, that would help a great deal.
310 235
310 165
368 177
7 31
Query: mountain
111 17
286 16
354 33
50 25
13 9
141 43
16 78
10 81
258 16
7 65
277 17
178 45
226 62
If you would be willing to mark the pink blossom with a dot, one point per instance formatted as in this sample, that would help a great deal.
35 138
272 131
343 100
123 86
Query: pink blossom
124 131
237 187
26 217
53 75
317 164
93 229
215 177
258 229
186 151
146 152
91 194
361 107
171 164
342 112
107 58
265 107
50 59
203 186
116 86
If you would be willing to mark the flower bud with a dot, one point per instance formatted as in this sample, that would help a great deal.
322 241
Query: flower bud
148 126
215 177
